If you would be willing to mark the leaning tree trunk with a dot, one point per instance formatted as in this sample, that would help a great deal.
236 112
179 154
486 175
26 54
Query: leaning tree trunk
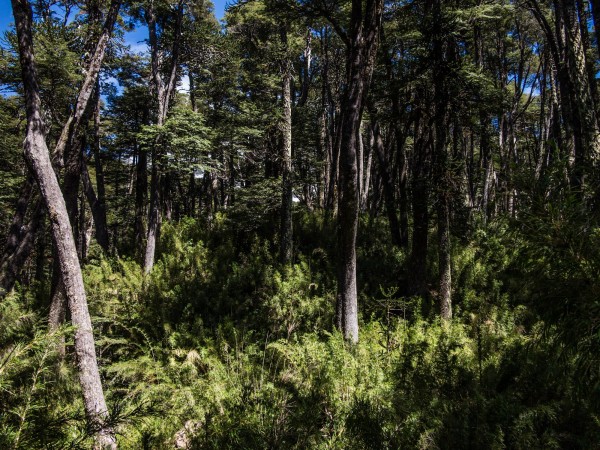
69 130
12 265
38 158
18 232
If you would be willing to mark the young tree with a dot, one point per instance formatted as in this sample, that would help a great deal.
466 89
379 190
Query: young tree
163 90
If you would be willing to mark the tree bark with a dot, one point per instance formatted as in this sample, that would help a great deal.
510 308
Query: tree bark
38 158
286 183
71 128
441 55
361 41
12 265
388 188
420 198
164 92
98 210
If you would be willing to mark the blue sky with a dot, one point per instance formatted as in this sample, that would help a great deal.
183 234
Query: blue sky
6 17
135 38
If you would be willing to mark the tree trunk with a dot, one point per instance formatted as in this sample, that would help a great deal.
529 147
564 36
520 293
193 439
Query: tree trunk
361 51
154 218
98 210
71 128
98 206
388 187
441 55
596 17
420 198
286 184
164 92
12 265
38 158
141 194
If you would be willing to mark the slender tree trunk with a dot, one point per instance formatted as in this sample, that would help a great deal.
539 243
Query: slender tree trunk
141 194
306 69
12 265
98 205
420 199
286 186
388 188
442 52
71 128
38 158
164 92
596 17
98 211
18 221
154 218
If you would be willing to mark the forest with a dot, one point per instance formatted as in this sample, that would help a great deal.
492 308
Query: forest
311 224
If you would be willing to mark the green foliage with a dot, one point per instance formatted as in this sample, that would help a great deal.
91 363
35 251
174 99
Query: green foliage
35 391
295 302
12 170
184 138
561 268
225 349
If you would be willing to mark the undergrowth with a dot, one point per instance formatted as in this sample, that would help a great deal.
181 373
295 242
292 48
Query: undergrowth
221 347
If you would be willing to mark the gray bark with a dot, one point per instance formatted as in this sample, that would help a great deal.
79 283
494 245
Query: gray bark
286 187
38 157
164 92
361 41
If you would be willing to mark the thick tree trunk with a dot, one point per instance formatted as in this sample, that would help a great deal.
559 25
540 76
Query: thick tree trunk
348 212
361 51
38 158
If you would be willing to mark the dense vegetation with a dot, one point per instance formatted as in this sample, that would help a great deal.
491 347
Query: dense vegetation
434 163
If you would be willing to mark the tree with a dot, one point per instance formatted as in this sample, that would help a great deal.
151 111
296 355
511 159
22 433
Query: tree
361 38
163 90
38 158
